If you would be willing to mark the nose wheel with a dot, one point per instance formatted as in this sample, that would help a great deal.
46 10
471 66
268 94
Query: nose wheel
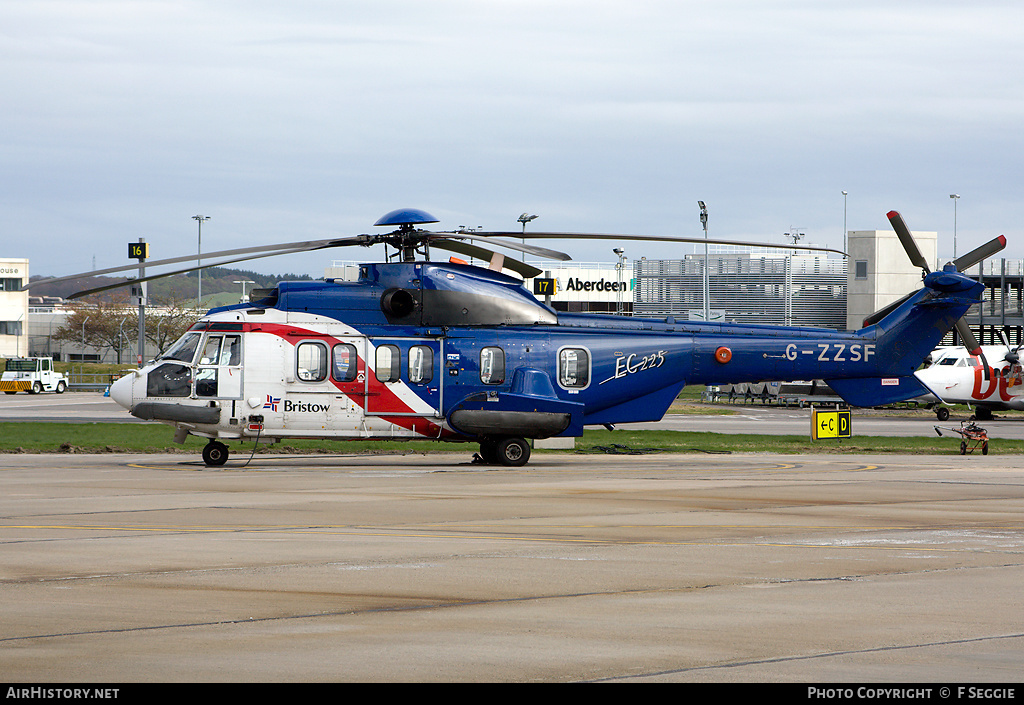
215 453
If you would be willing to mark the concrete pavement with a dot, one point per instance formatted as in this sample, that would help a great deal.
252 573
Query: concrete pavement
747 567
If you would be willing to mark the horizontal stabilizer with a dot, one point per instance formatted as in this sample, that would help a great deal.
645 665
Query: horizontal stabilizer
878 391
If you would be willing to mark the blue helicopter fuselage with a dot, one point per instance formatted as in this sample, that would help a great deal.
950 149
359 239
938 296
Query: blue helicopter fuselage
460 352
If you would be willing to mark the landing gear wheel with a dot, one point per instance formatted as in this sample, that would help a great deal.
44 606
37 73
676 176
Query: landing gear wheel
513 452
963 447
215 453
942 413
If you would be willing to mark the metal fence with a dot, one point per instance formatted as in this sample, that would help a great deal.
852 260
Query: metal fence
791 290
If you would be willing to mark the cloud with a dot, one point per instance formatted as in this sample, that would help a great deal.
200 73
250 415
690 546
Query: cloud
311 119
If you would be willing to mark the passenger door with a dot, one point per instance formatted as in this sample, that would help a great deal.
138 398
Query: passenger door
404 377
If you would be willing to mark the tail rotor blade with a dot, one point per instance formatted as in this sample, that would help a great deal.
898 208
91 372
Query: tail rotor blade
909 244
974 256
971 343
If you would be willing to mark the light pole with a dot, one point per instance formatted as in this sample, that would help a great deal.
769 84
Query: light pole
524 219
83 337
704 223
618 270
844 224
140 353
17 341
199 261
243 282
955 197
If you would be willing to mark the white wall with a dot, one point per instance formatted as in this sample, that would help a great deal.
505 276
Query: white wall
890 275
14 308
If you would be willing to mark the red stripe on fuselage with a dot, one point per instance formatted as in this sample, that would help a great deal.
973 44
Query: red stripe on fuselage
354 390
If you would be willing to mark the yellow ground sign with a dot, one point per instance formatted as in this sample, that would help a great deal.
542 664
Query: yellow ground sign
830 424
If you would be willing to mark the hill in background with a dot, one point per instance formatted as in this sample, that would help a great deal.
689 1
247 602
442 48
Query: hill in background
219 287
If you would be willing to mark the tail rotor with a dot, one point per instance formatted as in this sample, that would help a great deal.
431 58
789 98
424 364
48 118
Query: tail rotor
961 263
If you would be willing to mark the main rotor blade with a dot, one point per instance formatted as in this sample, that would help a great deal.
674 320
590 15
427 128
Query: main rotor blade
909 244
281 248
976 255
139 280
464 248
521 247
656 238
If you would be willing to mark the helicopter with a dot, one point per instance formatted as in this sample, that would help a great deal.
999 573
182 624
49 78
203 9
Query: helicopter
420 349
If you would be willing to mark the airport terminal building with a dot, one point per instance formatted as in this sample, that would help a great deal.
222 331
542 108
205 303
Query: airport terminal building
14 317
750 285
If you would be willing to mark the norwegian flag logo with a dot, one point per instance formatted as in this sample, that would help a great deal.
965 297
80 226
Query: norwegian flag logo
272 403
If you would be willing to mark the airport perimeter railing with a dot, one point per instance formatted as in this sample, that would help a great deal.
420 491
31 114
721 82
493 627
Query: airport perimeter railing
79 381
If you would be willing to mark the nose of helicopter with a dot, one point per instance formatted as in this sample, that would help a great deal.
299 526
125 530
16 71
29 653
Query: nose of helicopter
121 390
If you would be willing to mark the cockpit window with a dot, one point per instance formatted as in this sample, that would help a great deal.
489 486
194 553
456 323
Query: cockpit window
211 351
169 380
183 350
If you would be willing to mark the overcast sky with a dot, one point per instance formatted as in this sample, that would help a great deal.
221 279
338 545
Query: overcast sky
310 119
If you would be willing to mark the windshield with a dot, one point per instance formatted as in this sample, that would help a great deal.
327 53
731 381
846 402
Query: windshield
183 350
20 366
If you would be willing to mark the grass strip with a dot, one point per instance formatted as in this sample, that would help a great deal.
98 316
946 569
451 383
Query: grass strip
157 438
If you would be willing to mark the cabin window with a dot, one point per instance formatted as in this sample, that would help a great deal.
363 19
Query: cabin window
421 364
492 366
345 360
311 362
573 367
388 363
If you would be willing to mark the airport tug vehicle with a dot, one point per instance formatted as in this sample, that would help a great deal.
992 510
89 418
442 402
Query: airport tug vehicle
415 349
33 375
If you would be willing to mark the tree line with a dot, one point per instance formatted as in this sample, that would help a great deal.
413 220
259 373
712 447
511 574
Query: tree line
114 325
109 321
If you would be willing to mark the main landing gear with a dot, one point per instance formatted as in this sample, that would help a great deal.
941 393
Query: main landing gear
215 453
510 452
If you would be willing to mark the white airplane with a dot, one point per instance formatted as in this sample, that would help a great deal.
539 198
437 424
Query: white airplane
957 376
